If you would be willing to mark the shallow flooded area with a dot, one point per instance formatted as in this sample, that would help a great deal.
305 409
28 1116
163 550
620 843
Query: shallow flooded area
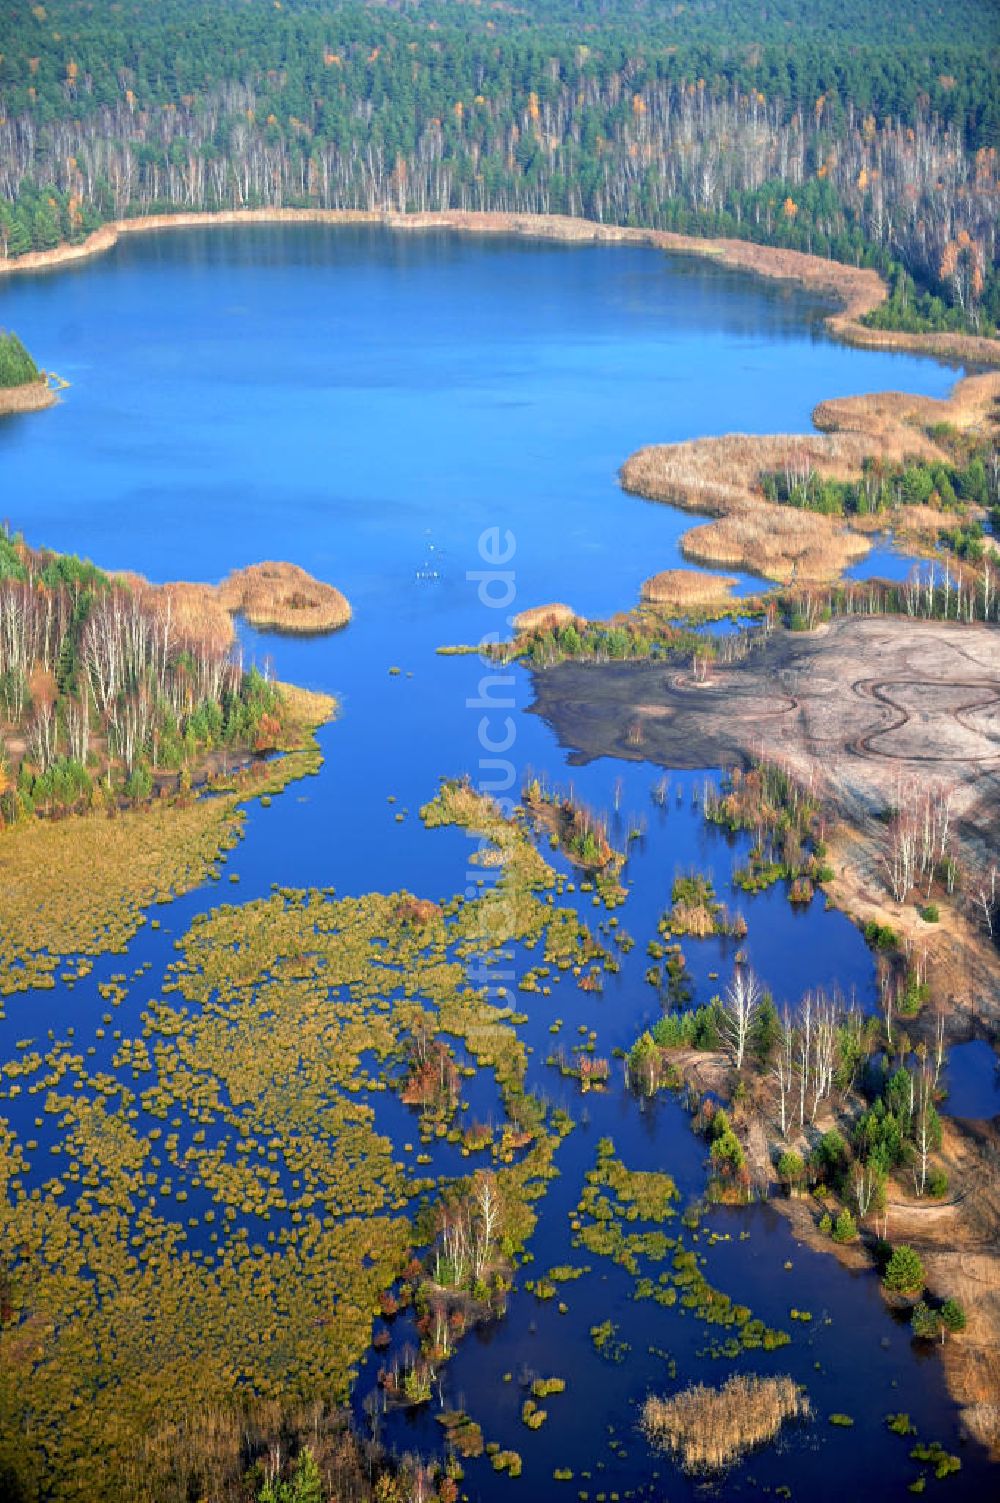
212 1119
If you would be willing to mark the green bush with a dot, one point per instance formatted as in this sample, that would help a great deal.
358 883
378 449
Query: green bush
845 1229
880 936
904 1272
925 1323
828 1159
304 1486
953 1316
791 1170
937 1184
139 784
696 1028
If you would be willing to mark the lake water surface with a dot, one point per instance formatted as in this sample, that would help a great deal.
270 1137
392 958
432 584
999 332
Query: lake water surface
366 404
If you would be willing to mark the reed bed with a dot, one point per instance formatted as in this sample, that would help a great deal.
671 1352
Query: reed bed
195 609
544 617
284 597
688 589
721 478
709 1428
31 396
281 596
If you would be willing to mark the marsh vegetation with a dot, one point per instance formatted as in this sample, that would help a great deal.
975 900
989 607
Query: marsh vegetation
709 1428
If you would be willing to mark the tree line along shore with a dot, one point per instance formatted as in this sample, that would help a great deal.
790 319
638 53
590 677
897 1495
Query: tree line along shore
824 128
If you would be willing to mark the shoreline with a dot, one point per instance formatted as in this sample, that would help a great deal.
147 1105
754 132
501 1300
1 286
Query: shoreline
32 396
719 479
859 290
810 702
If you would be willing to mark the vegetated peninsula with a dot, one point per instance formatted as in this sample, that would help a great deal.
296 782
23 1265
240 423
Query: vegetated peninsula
278 597
800 508
113 691
23 387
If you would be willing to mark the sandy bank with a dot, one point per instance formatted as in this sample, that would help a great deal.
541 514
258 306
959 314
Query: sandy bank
858 290
31 397
866 705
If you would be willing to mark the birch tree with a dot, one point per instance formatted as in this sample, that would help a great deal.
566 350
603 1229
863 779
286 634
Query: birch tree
740 1006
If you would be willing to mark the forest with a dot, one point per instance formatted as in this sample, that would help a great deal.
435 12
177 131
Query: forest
839 129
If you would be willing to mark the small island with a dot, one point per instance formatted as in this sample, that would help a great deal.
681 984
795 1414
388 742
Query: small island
23 387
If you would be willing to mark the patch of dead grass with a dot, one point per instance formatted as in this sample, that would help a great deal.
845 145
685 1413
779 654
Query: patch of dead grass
721 478
285 597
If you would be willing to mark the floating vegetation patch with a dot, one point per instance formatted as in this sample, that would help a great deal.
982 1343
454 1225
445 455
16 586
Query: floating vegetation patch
942 1461
606 1342
463 1434
215 1219
695 910
787 824
614 1198
80 886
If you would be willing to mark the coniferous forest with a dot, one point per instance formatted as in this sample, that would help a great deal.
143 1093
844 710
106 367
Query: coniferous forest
852 130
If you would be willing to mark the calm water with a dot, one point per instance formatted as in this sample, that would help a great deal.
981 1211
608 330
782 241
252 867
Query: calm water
972 1079
365 405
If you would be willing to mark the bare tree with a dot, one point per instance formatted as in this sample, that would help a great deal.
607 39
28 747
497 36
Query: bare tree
986 900
783 1068
487 1200
740 1006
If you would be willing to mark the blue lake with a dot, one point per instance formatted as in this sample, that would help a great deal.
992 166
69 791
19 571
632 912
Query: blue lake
367 405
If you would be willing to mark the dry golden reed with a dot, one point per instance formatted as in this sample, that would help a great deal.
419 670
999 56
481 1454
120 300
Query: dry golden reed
544 617
284 596
708 1428
721 477
271 595
688 589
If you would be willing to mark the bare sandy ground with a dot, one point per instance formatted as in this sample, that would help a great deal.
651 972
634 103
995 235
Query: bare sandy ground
861 709
31 397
